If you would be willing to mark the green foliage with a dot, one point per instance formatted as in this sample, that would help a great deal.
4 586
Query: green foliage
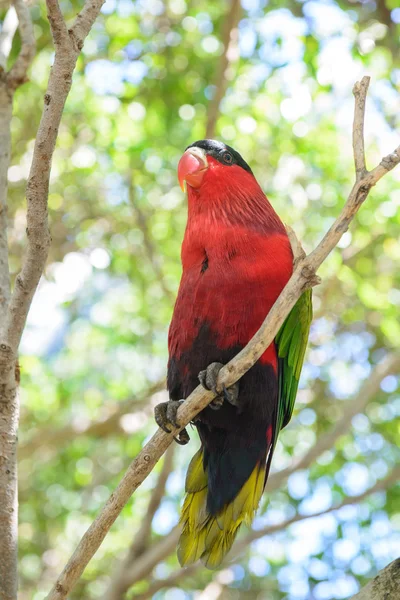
97 333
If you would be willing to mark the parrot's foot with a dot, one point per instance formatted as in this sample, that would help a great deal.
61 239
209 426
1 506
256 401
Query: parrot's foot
208 379
165 415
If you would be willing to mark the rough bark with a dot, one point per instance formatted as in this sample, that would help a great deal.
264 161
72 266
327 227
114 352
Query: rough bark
14 309
385 586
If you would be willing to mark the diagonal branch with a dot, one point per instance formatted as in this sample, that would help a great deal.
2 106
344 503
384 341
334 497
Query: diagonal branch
391 364
243 543
17 74
304 276
38 183
229 40
119 585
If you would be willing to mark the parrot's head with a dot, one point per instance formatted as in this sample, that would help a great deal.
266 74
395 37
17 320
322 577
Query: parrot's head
212 168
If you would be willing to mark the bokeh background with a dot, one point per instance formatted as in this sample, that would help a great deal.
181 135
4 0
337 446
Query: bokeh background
94 353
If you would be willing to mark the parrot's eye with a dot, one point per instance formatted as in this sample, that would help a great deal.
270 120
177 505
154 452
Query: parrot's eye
227 158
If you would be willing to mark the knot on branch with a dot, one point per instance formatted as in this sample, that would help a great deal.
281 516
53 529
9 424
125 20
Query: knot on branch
5 349
311 278
76 41
390 161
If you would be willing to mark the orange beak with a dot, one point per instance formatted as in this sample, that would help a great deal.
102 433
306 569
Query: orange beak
192 167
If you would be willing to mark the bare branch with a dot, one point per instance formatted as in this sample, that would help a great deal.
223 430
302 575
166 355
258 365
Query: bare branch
141 540
118 585
17 16
13 313
360 95
391 364
384 586
304 276
244 542
58 27
17 74
5 154
38 183
10 26
230 36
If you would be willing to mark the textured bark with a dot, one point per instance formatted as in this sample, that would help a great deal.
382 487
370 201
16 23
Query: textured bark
9 415
385 586
14 310
9 373
5 151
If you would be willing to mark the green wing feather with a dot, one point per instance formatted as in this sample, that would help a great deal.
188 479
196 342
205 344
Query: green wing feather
291 343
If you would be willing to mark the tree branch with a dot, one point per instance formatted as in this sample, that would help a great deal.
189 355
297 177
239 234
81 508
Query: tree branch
303 277
243 543
17 74
18 16
9 374
229 40
38 183
118 585
360 90
391 364
384 586
13 313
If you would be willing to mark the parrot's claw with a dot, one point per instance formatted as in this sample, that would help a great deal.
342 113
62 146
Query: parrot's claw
165 415
208 379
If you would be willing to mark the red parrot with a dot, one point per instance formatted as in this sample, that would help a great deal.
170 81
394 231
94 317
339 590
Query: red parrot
236 259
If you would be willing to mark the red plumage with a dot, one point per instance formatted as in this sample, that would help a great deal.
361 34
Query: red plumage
232 224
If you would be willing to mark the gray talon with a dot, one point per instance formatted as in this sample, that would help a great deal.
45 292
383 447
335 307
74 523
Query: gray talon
231 394
216 403
208 379
165 415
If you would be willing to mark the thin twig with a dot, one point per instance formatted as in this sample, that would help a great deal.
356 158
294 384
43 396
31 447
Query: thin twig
304 276
360 90
17 74
229 40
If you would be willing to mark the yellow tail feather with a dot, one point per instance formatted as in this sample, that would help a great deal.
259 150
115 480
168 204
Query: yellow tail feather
210 537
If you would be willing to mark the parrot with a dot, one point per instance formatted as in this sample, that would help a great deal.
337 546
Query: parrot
236 259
